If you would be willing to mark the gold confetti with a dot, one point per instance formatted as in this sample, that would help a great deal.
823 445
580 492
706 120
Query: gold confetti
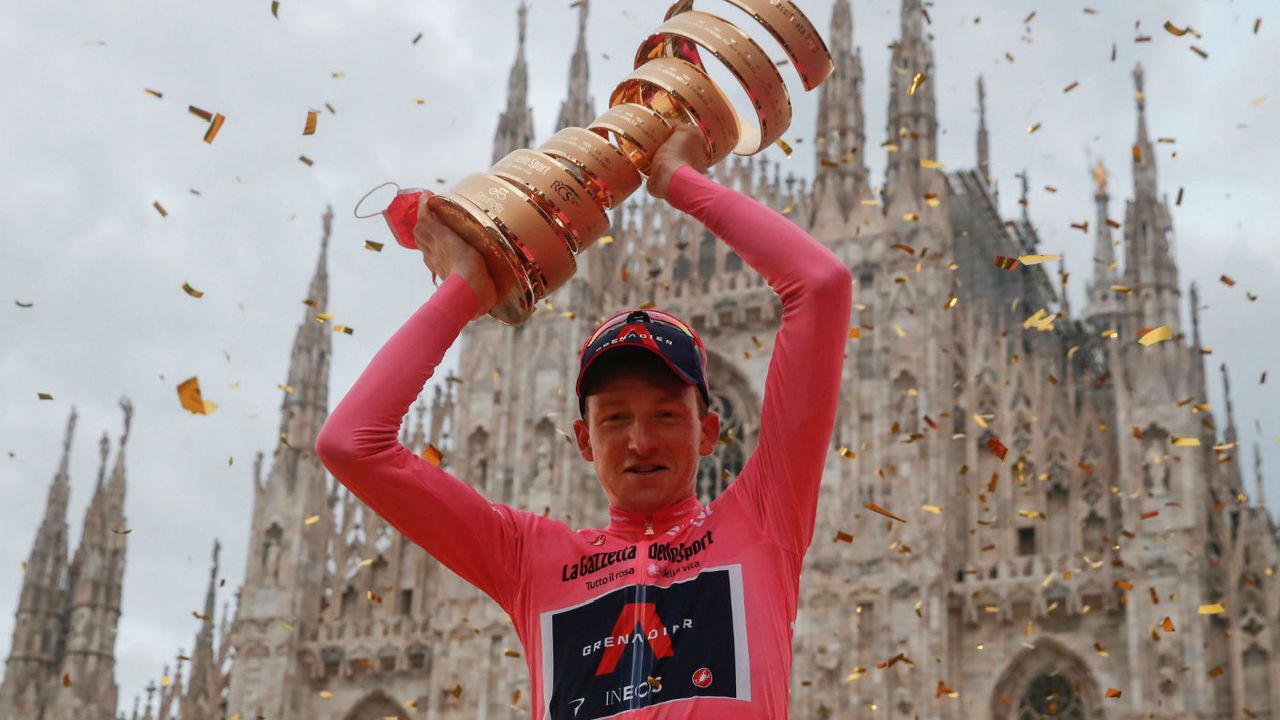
916 82
1174 29
931 164
374 246
214 127
932 199
606 240
1167 625
1257 24
1033 128
1214 609
881 511
275 9
432 455
982 422
373 596
153 93
1006 263
1160 334
1215 671
310 127
1071 87
847 453
186 287
190 398
311 520
931 509
1101 650
898 329
1185 442
202 114
1037 259
44 396
785 147
126 531
325 695
160 209
66 680
911 217
1200 52
306 160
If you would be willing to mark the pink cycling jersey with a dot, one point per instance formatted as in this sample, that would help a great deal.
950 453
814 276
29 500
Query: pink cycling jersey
687 612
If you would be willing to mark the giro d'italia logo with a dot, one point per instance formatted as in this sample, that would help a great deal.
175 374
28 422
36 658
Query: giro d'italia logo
702 677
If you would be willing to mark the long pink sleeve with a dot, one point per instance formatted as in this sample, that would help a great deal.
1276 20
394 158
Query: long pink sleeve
359 443
782 478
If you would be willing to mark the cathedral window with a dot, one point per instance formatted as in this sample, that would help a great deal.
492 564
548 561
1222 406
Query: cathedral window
406 602
1050 696
732 263
1027 541
707 255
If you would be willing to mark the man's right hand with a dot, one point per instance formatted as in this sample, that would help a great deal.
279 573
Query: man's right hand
446 253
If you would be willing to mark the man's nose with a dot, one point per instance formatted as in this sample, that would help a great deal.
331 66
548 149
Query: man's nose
640 439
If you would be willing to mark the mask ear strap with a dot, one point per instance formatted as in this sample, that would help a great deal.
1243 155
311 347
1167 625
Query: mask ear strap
356 210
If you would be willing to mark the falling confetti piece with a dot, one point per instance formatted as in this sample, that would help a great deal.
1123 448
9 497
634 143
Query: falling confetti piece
1082 227
1200 52
1071 87
153 93
931 509
916 82
416 38
160 209
374 246
931 164
275 9
1113 693
1257 24
1185 442
855 333
911 217
310 127
847 453
44 396
1214 609
1160 334
202 114
881 511
214 127
996 447
21 304
1174 29
785 147
306 160
432 455
343 329
1148 515
190 398
1029 18
842 537
186 287
606 240
311 520
66 680
1005 263
1037 259
1167 625
1227 280
325 695
1033 128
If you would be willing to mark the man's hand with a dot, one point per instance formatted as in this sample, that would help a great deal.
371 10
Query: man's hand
446 253
686 146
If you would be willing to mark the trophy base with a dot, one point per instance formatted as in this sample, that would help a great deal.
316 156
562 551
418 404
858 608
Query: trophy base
516 296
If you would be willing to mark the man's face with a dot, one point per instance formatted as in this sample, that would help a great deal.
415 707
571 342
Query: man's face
644 433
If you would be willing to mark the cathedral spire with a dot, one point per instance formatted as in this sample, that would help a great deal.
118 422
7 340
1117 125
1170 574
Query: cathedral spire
96 580
305 402
984 141
913 120
515 126
1149 266
1231 435
578 108
200 699
1102 303
839 143
1259 492
41 599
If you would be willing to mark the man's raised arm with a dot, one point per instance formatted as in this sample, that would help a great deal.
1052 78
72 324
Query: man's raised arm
782 478
360 445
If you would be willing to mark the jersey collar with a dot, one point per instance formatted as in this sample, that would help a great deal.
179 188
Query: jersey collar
649 526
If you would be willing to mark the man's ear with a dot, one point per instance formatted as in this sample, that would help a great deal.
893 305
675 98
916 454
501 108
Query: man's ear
710 434
583 434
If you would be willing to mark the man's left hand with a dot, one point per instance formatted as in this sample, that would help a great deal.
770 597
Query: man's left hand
686 146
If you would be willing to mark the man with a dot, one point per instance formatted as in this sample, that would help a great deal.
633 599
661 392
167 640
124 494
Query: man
674 610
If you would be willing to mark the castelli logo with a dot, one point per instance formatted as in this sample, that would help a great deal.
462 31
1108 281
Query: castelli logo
702 677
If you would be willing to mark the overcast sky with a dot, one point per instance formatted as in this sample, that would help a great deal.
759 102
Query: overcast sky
86 152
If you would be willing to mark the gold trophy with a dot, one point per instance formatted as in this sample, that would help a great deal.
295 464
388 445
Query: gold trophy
535 211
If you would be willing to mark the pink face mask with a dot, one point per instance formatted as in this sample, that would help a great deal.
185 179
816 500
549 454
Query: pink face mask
402 215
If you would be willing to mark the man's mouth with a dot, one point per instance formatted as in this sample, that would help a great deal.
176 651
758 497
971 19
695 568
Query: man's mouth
646 469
